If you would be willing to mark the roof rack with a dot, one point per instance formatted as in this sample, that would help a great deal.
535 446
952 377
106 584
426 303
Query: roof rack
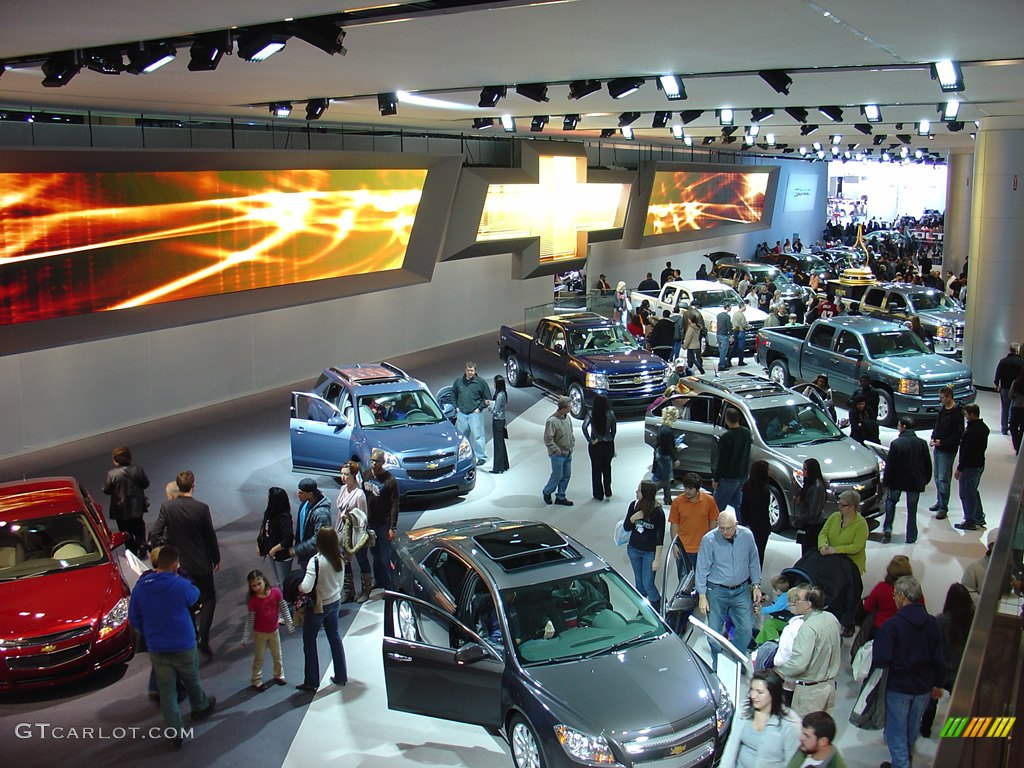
524 546
746 385
373 373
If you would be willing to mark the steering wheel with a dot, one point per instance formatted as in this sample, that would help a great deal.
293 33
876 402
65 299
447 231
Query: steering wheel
593 607
76 548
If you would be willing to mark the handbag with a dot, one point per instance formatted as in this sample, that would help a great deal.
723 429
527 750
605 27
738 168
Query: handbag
307 599
620 535
869 710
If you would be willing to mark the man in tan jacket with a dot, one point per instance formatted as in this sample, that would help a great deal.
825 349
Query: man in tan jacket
559 440
814 662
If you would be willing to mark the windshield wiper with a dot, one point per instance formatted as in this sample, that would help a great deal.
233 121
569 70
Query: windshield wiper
820 440
640 640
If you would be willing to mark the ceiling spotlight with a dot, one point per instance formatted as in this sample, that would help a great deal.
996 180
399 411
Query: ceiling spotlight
777 79
688 141
672 85
689 115
325 35
820 154
281 108
955 126
753 130
607 133
951 79
871 113
817 146
836 138
762 113
904 152
627 132
387 103
106 61
924 128
835 150
482 123
59 69
490 95
950 110
725 115
803 150
677 131
904 137
709 140
797 113
660 119
748 140
569 122
628 118
879 139
207 50
623 86
580 88
508 123
149 57
769 139
315 108
835 114
974 136
864 128
538 123
729 130
807 130
533 91
261 44
728 139
918 154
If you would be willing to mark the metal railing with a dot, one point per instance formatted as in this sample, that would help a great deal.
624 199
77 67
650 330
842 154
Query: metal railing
565 302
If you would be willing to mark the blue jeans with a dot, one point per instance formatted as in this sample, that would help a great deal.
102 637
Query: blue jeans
381 557
903 713
472 426
890 513
169 667
666 474
281 570
561 469
730 491
310 629
723 351
943 462
738 605
1004 410
741 345
643 575
970 499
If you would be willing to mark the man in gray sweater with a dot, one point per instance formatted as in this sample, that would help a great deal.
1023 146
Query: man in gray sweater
559 440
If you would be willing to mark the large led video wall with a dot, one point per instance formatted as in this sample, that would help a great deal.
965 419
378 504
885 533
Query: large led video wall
696 201
73 243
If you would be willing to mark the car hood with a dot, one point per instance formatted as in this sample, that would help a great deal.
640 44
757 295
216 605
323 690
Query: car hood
944 316
840 458
422 439
53 602
624 361
933 368
655 684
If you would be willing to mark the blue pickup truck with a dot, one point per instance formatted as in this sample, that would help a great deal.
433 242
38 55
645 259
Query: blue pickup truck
907 376
583 354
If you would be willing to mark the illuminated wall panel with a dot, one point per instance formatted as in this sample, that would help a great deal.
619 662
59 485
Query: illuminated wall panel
82 242
686 201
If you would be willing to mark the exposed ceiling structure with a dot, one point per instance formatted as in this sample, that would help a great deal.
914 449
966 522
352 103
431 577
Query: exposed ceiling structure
770 60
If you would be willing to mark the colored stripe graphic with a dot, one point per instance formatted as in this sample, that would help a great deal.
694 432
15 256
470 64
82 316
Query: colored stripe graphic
953 728
977 727
1002 727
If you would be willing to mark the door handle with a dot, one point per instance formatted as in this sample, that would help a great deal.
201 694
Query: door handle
399 657
300 429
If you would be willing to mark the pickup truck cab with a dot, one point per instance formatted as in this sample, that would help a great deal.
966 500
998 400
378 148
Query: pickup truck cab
730 271
709 297
907 376
353 409
942 317
583 354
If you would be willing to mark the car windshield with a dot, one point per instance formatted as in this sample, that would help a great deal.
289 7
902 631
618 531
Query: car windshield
575 618
932 300
392 409
717 298
47 544
610 338
894 344
797 424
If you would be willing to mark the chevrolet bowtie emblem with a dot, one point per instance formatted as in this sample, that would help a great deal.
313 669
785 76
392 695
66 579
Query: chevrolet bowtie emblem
677 750
49 648
432 465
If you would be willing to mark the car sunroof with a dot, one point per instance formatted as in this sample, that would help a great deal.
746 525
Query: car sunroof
525 545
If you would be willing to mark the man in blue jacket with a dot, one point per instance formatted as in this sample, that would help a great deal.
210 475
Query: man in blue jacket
161 609
910 644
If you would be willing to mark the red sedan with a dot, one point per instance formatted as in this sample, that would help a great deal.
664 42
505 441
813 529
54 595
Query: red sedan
63 598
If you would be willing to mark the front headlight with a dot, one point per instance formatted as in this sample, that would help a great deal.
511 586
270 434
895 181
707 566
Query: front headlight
910 387
944 332
881 465
798 477
592 750
723 709
597 381
713 326
391 461
465 449
114 618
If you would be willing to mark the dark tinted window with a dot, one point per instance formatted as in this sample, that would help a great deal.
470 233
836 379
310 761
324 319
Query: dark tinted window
822 336
874 297
448 571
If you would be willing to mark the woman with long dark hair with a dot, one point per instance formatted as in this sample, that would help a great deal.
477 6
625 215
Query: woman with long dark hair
599 429
498 428
277 529
645 520
955 622
126 485
754 507
322 582
810 507
765 732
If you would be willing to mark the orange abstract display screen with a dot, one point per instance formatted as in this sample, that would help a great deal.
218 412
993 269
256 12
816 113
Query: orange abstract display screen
74 243
688 201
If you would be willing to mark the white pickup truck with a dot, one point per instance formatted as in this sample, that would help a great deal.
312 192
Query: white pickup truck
677 295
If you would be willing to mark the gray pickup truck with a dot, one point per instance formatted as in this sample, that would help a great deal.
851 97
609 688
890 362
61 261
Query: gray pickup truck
907 376
942 318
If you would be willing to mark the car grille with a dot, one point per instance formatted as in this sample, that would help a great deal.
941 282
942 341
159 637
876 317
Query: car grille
48 660
429 474
56 637
431 466
681 749
961 388
441 456
628 381
865 485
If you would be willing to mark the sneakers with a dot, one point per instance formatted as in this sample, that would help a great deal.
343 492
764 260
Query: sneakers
933 508
481 462
886 537
547 498
202 714
941 516
966 526
563 502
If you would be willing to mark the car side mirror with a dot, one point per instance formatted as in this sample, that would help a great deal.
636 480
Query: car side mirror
470 653
853 354
337 421
448 410
118 539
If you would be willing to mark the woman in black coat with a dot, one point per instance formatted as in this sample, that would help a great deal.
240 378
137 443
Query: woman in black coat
277 529
126 485
754 507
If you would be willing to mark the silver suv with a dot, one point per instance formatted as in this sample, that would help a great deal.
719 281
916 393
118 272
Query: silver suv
942 318
786 427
